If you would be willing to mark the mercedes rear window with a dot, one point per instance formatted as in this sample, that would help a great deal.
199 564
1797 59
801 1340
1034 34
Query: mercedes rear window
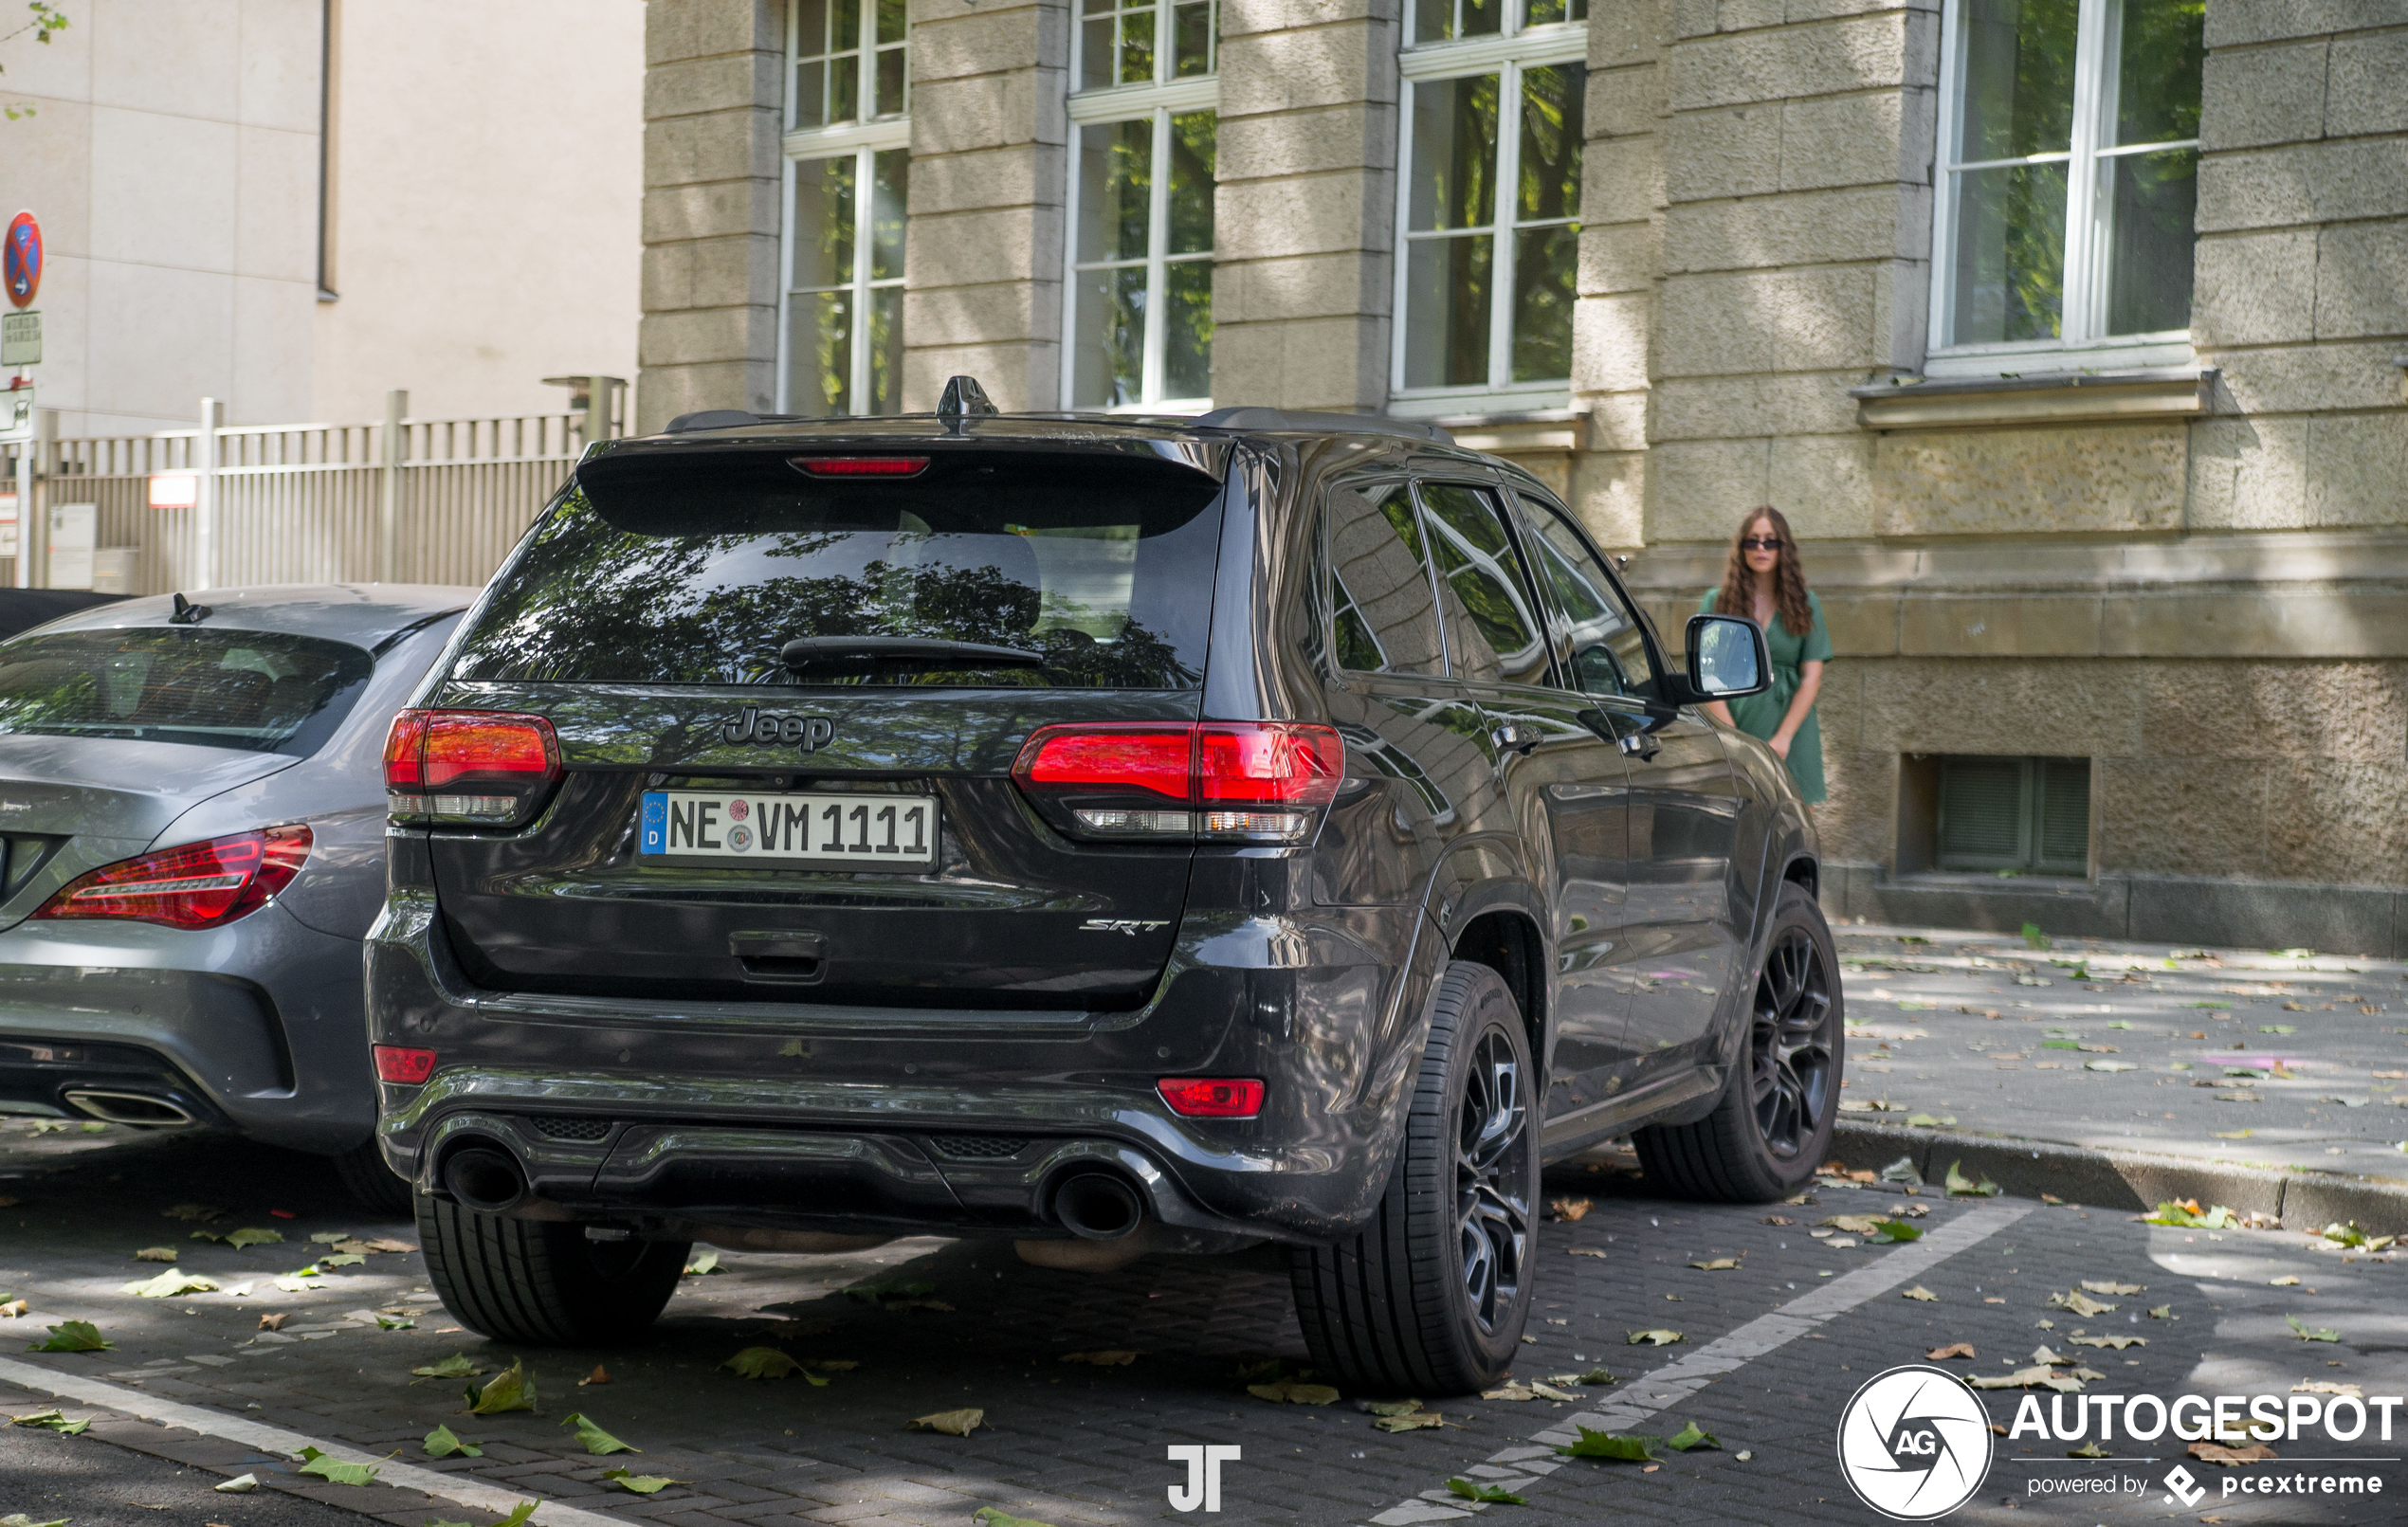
257 691
700 568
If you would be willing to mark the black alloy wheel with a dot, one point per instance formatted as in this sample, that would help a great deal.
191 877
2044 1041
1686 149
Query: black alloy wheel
1790 1044
1492 1171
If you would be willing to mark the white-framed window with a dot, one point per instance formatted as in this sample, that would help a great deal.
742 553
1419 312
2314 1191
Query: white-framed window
2068 182
1488 204
1138 303
847 180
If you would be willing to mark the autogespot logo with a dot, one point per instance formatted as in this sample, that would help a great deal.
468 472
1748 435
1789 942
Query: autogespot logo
1914 1442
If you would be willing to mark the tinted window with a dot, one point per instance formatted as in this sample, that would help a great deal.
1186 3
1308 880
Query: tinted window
257 691
696 570
1492 632
1382 615
1608 654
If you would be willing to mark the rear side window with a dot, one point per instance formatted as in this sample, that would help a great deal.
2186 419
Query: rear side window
1607 652
1491 628
255 691
1382 613
696 568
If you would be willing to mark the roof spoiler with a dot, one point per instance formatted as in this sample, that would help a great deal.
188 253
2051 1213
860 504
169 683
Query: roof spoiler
1294 419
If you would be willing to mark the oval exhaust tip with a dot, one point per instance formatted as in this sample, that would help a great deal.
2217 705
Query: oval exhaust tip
1098 1206
136 1110
484 1179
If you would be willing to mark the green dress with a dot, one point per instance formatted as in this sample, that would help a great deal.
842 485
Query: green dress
1760 715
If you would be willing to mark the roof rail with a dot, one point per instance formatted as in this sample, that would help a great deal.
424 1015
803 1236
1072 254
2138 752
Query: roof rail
1296 419
711 419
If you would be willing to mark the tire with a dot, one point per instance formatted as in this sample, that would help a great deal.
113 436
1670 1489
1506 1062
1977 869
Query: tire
541 1283
371 1183
1772 1125
1430 1298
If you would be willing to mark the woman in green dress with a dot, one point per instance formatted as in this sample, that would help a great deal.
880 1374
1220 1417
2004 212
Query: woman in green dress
1763 581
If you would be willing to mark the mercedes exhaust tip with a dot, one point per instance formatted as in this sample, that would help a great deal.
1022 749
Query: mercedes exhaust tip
1098 1206
484 1178
136 1110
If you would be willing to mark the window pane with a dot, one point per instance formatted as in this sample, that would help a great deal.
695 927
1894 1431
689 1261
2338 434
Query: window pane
1385 618
1542 12
1545 264
846 16
2153 200
1136 46
1609 655
885 350
844 87
1192 52
1095 53
1483 18
1116 182
1454 152
2161 57
1550 173
1447 311
1191 231
1108 338
819 353
890 197
1187 330
1492 633
891 82
2010 258
890 20
811 94
1433 20
2019 90
823 222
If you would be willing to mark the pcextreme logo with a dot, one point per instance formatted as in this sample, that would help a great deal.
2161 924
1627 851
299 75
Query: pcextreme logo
1914 1442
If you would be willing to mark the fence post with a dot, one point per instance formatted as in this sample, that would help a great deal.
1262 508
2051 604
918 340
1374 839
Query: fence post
205 494
33 497
389 498
25 515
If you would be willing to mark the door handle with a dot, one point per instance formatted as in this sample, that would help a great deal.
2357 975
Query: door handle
1640 745
1512 737
1638 742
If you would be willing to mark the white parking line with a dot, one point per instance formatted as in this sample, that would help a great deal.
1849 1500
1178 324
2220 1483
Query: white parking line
465 1491
1652 1393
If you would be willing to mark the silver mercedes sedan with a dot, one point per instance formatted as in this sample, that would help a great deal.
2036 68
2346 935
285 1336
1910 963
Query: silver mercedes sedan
191 849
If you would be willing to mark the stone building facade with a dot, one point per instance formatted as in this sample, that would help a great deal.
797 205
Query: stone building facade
2070 335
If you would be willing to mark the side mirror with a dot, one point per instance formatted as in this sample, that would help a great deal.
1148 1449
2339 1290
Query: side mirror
1726 657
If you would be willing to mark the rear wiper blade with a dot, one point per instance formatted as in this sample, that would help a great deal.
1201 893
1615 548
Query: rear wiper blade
812 651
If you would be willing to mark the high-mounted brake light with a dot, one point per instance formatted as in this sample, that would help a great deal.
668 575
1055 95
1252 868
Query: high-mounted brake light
1213 1096
479 767
195 885
861 466
405 1064
1253 781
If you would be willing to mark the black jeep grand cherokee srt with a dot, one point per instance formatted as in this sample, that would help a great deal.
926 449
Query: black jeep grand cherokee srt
1115 834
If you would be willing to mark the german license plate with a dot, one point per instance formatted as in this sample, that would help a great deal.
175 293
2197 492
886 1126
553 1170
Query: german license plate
856 832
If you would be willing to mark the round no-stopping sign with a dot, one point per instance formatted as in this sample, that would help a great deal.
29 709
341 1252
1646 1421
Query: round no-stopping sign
21 260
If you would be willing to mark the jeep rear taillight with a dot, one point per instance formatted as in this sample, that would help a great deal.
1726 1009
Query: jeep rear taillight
468 768
1248 781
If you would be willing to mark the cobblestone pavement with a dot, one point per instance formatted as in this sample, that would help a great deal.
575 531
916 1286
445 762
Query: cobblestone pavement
1770 1351
2250 1057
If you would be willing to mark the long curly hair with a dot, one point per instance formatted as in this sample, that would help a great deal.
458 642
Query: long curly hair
1738 596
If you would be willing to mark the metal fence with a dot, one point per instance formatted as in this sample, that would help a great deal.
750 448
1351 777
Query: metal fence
410 501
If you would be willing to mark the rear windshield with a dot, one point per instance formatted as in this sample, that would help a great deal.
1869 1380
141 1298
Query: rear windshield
692 570
258 691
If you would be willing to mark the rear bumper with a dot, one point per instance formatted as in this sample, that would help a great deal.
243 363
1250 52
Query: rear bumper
784 1116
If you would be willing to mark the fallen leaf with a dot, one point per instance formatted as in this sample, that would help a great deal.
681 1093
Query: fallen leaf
2023 1378
596 1441
2208 1452
513 1388
2079 1302
1776 1219
455 1366
249 1235
1954 1349
1389 1407
1632 1449
327 1238
342 1259
18 1518
706 1262
639 1484
962 1422
2042 1354
2284 1282
1718 1264
2119 1343
995 1518
2184 1213
1569 1209
1853 1224
11 1309
1411 1420
2100 1286
1102 1357
1919 1292
1654 1338
297 1283
2162 1312
1494 1494
1591 1251
441 1443
170 1283
2108 1065
1689 1437
73 1336
334 1470
2088 1450
2326 1385
2307 1334
1291 1391
239 1485
155 1254
599 1375
766 1362
54 1420
1509 1392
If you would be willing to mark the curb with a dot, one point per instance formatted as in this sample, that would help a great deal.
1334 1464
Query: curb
2129 1180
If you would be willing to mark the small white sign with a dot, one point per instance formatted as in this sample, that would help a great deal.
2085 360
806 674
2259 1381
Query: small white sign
75 531
16 414
21 338
174 490
7 524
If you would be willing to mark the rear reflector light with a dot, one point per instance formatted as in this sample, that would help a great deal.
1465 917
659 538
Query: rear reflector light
1111 780
196 885
410 1067
478 768
1213 1096
862 466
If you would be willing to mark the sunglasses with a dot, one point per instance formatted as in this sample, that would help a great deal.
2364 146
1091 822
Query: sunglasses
1761 543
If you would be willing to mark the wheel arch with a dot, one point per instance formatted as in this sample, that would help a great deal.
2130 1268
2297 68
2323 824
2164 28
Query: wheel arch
1507 940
